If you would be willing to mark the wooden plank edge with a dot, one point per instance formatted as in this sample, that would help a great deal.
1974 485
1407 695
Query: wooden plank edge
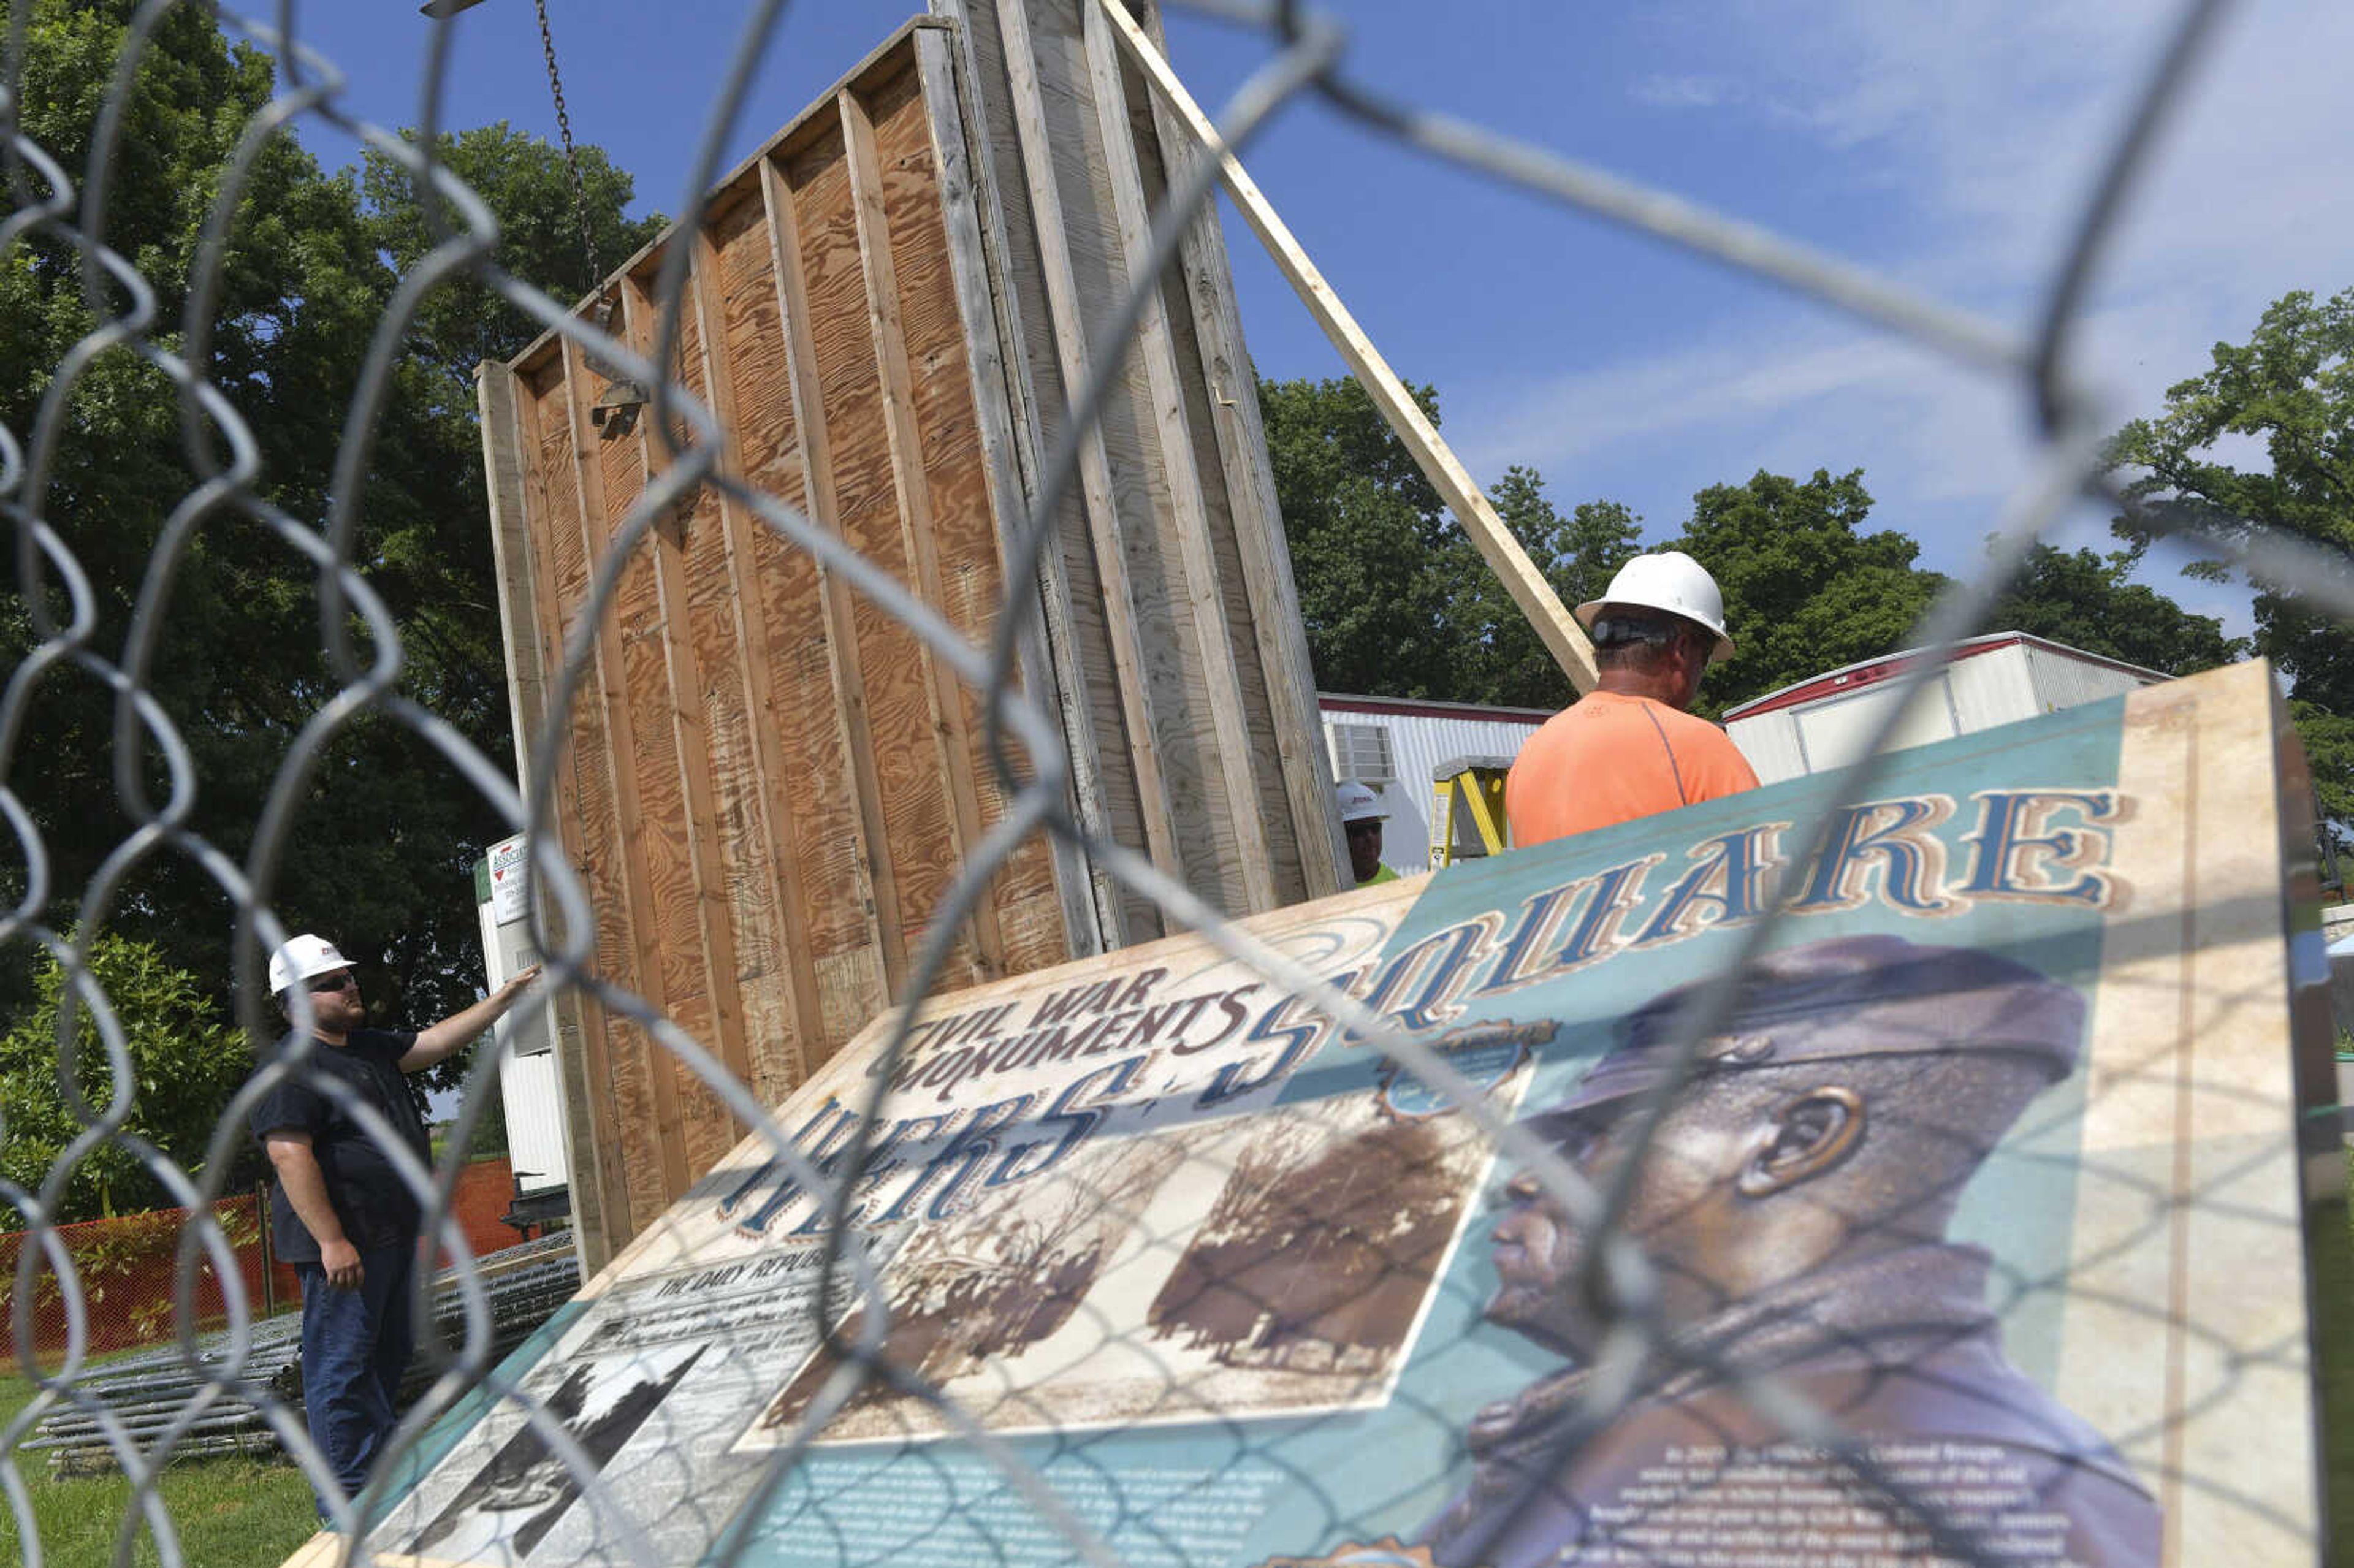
1095 465
1094 910
911 486
1563 637
1257 518
1169 426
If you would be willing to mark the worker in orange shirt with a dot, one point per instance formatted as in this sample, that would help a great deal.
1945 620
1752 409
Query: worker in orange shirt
1629 746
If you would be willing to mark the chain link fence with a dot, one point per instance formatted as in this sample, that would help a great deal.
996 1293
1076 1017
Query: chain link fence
60 210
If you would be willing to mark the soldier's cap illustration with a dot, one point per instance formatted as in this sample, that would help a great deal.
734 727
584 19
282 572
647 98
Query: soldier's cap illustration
1838 1000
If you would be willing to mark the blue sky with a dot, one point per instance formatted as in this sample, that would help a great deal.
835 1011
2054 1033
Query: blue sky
1946 146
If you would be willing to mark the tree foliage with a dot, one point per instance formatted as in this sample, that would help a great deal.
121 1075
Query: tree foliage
2290 391
1395 598
380 852
184 1062
1807 587
2088 601
1503 658
1398 602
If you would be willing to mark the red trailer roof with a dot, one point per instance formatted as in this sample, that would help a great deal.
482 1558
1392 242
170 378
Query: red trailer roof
1416 707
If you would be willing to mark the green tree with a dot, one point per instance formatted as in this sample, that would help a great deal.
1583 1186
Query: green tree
1807 588
186 1061
381 852
1395 600
2088 601
1497 656
2290 388
1364 527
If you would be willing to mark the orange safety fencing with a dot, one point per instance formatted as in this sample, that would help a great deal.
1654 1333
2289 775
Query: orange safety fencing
125 1265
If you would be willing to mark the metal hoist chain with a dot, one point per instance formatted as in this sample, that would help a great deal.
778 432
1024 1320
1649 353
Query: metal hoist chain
571 157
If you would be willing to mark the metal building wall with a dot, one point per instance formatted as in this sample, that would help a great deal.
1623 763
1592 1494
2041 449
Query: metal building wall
1418 743
1991 688
1995 680
1835 731
1770 742
2062 681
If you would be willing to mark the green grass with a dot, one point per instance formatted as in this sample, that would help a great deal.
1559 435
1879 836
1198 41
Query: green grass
2333 1294
229 1512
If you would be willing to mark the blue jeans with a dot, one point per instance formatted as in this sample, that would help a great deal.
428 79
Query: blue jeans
355 1346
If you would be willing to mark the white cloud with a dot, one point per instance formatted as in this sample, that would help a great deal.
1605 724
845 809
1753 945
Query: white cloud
1683 92
1970 137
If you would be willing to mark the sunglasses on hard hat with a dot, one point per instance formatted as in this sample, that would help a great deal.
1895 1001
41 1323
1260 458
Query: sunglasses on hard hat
325 984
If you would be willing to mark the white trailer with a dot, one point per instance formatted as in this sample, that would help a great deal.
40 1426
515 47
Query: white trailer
2004 676
1391 744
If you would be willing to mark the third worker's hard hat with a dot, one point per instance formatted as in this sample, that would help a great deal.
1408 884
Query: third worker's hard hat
1358 802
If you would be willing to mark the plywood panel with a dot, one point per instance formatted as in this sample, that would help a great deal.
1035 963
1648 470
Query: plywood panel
777 982
899 746
616 878
1231 707
851 905
770 782
965 579
702 980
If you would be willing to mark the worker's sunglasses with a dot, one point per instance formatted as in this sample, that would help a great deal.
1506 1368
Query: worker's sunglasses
325 984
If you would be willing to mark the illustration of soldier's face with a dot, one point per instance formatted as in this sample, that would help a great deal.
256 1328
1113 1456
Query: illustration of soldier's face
1682 1208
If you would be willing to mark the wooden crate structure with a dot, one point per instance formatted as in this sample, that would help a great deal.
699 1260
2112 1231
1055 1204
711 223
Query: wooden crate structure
768 782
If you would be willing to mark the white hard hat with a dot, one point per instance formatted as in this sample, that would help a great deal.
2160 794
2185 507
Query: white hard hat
1672 582
1358 802
301 958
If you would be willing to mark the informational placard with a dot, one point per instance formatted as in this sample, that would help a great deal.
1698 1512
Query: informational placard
505 865
1973 1231
530 1090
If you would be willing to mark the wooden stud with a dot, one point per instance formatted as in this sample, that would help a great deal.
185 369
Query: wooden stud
667 1172
1249 472
1095 465
952 742
601 1204
878 887
772 802
1563 636
526 603
1223 694
714 954
587 770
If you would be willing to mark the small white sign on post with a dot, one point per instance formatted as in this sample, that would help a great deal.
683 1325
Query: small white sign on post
507 904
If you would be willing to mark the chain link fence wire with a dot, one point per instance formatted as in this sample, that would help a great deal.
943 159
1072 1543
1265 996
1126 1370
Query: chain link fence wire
1306 54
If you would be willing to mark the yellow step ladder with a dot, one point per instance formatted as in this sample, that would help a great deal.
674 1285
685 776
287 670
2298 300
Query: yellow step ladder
1467 808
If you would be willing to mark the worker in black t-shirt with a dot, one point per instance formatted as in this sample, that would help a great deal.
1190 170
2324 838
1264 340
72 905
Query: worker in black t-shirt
343 1214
